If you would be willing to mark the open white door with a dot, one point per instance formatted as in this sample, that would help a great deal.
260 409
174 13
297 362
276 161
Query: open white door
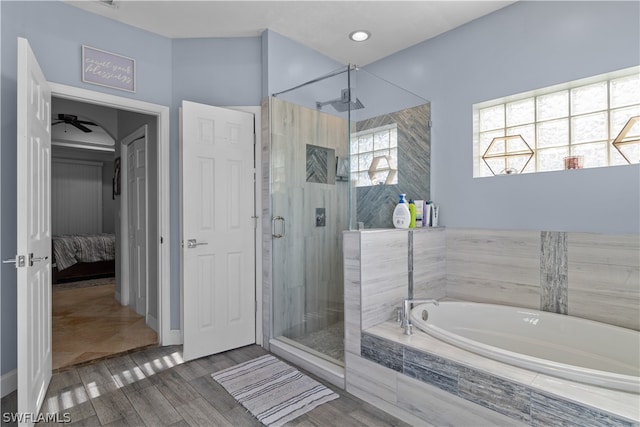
137 222
34 232
218 228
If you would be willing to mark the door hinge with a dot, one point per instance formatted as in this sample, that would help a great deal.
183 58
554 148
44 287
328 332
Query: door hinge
255 221
161 240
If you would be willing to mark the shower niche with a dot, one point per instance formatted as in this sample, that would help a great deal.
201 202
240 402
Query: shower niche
316 165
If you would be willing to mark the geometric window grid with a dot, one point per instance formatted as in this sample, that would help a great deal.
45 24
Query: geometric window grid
580 118
377 143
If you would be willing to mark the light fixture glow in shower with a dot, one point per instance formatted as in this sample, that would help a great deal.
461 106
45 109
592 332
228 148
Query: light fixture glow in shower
359 35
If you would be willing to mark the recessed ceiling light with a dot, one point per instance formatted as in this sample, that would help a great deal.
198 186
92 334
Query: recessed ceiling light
359 35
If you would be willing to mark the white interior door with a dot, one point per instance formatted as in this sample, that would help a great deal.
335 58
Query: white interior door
33 232
137 221
218 229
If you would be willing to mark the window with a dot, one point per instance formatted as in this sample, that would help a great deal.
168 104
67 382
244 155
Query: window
588 123
374 156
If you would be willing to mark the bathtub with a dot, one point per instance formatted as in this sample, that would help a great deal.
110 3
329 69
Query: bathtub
562 346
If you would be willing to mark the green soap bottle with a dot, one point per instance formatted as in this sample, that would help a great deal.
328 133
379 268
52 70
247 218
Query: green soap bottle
412 213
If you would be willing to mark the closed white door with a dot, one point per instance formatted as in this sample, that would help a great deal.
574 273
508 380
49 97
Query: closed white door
218 229
137 220
33 232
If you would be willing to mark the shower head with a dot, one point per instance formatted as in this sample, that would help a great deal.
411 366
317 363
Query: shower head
343 103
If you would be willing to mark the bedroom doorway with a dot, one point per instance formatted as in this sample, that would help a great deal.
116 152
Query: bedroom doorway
102 311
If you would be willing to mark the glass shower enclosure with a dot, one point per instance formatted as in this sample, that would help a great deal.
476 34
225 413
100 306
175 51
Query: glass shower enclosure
336 145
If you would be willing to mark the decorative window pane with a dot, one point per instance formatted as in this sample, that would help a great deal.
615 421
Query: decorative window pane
582 118
553 106
553 133
363 179
592 127
380 140
625 91
521 112
528 133
590 98
595 155
354 146
620 117
354 162
552 159
615 158
492 118
364 161
393 138
380 153
487 137
393 154
365 143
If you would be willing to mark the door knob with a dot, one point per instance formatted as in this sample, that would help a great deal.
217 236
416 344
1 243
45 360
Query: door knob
33 259
192 243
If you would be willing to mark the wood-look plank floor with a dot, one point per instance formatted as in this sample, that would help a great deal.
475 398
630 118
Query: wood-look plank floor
155 387
88 323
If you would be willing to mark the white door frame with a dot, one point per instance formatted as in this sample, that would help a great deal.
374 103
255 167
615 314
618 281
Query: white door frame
125 285
257 155
166 336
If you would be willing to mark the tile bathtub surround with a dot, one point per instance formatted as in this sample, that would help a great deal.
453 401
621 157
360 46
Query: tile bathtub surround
382 269
352 305
554 271
505 396
604 278
588 275
494 266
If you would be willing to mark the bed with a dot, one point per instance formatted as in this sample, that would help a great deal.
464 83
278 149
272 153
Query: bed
83 256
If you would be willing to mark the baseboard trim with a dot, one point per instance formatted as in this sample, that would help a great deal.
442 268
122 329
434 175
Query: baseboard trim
8 382
174 337
152 322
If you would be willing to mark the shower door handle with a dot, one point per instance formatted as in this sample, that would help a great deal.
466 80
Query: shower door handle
273 227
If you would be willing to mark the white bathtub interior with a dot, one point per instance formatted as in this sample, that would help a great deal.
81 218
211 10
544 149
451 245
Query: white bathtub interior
558 345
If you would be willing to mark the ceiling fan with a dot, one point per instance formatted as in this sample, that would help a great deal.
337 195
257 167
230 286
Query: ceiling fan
70 119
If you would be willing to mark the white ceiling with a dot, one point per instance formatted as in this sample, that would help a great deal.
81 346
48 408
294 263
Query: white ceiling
321 25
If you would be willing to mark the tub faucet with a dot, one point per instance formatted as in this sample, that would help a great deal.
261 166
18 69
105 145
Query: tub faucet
406 312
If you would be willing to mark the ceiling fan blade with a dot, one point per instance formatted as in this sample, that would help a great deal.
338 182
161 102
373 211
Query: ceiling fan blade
84 122
81 127
57 123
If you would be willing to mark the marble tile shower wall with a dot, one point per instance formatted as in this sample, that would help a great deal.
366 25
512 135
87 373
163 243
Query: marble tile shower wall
307 270
375 204
593 276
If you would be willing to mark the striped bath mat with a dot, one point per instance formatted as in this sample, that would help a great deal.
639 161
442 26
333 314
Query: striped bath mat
273 391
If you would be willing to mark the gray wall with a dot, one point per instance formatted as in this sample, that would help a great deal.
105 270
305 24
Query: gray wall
525 46
106 158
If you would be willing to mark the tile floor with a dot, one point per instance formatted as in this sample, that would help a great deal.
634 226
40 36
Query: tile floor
88 323
155 387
